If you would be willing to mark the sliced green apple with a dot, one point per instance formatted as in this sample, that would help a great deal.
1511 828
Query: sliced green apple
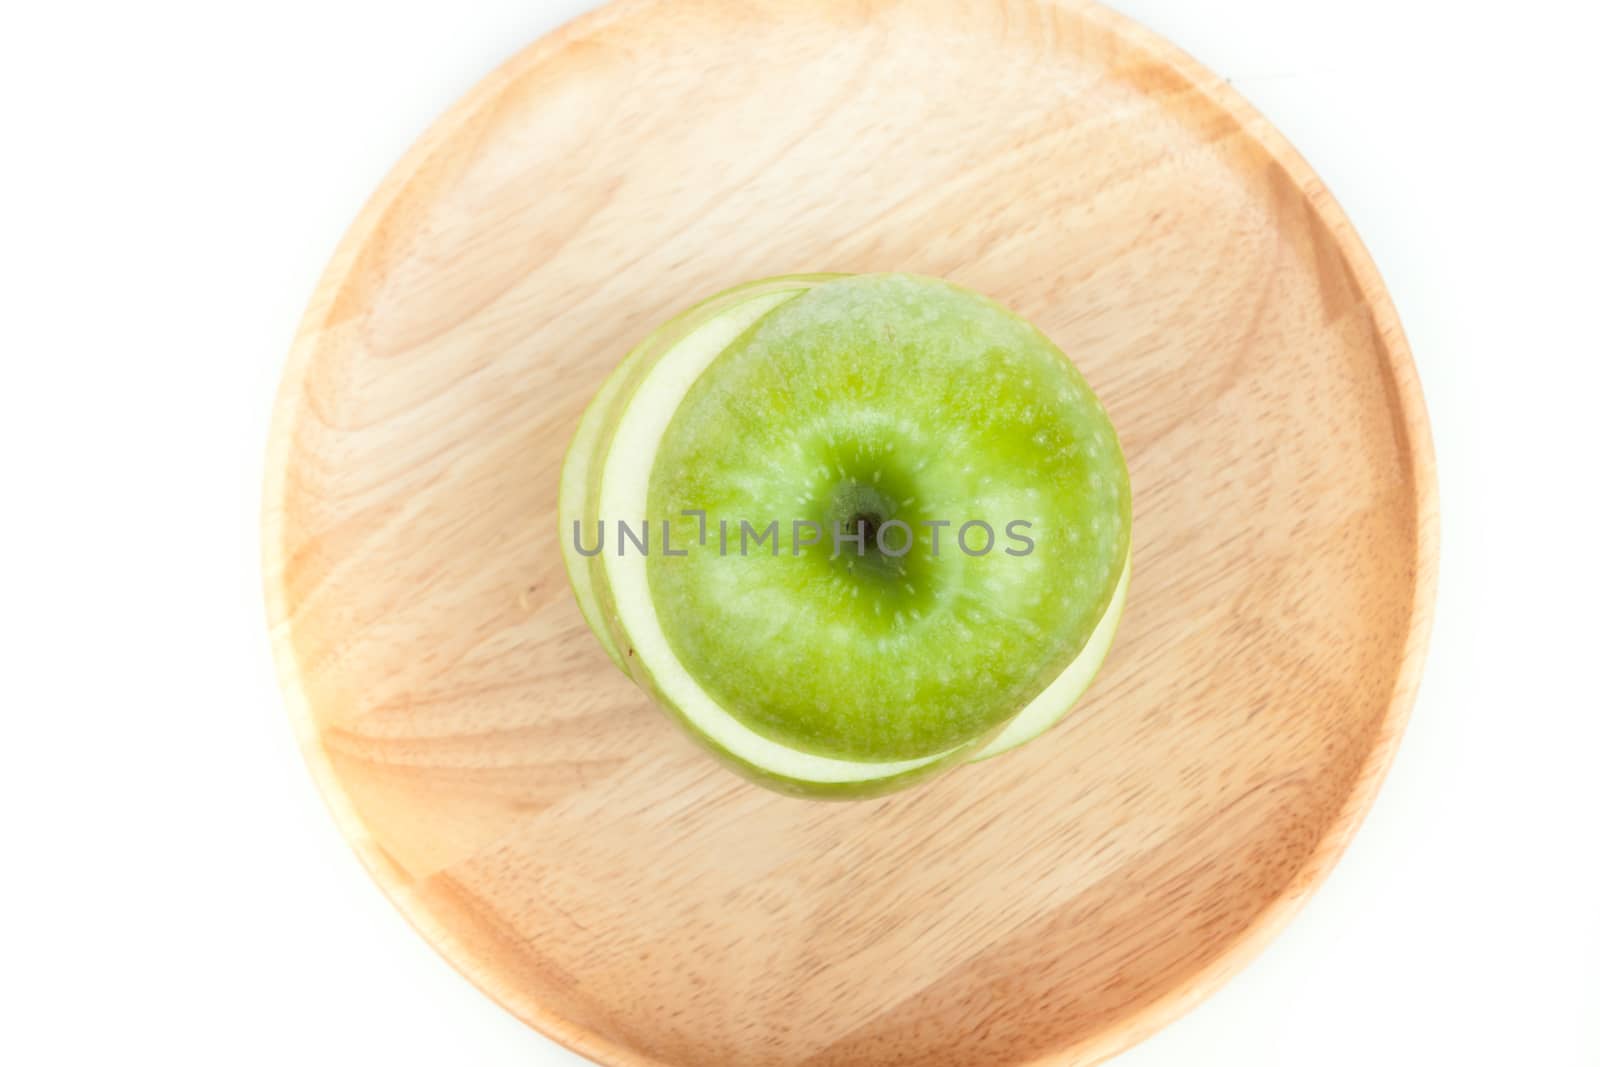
876 402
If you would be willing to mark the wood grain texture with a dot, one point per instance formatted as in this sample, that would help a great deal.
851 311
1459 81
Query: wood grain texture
552 835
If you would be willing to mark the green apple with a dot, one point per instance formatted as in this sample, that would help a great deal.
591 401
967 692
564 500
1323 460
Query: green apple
939 511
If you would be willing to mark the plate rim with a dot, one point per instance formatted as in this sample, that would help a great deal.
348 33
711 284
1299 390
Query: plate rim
1113 1037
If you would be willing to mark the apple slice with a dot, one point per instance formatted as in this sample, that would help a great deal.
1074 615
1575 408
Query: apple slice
1058 698
860 405
593 435
572 504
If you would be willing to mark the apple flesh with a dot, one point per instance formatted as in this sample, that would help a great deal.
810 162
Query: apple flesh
980 474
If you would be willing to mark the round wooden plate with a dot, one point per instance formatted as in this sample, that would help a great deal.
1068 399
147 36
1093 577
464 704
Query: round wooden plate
550 833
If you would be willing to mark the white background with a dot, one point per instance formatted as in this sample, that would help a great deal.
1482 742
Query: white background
173 177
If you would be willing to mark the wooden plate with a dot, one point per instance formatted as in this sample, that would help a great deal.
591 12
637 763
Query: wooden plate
551 834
